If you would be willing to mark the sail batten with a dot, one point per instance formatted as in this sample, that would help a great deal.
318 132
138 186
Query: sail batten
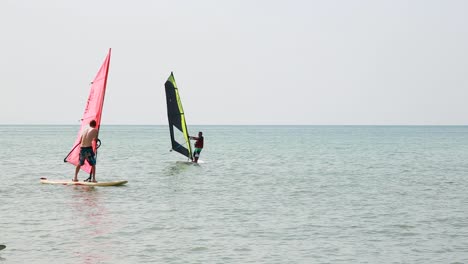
93 111
176 118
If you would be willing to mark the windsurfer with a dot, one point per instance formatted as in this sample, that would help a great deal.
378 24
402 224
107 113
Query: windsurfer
198 146
86 152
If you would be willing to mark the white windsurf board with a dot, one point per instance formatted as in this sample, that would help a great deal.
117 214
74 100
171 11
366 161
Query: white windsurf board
70 182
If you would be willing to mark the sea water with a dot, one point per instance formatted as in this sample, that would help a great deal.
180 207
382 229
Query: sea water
265 194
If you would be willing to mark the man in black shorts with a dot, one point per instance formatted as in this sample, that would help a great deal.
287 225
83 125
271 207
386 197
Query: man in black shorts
88 135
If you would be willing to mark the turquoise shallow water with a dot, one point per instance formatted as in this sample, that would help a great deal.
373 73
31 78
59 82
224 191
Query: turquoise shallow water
266 194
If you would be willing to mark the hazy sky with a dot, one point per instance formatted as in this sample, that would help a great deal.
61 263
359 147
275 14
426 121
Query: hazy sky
237 62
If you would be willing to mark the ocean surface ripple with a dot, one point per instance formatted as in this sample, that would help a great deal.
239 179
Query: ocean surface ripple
265 194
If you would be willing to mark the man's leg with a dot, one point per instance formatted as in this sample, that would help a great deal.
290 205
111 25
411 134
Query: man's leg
76 173
93 172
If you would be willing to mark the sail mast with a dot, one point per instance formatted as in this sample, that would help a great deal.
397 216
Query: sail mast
106 62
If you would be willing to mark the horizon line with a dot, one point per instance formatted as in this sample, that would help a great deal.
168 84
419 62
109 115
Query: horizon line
115 124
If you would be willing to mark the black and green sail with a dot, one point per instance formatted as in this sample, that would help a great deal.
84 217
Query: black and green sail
175 114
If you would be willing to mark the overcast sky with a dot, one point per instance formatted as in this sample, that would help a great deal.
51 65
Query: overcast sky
237 62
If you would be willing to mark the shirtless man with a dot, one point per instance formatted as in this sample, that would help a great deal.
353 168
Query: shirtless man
86 152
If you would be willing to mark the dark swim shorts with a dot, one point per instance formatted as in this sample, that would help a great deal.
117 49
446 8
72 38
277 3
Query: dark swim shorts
88 154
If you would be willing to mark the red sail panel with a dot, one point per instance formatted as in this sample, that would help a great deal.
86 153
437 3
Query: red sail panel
93 110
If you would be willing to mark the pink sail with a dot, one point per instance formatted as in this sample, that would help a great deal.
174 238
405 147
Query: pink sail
93 110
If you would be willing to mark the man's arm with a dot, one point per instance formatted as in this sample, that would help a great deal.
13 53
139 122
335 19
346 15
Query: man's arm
95 134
